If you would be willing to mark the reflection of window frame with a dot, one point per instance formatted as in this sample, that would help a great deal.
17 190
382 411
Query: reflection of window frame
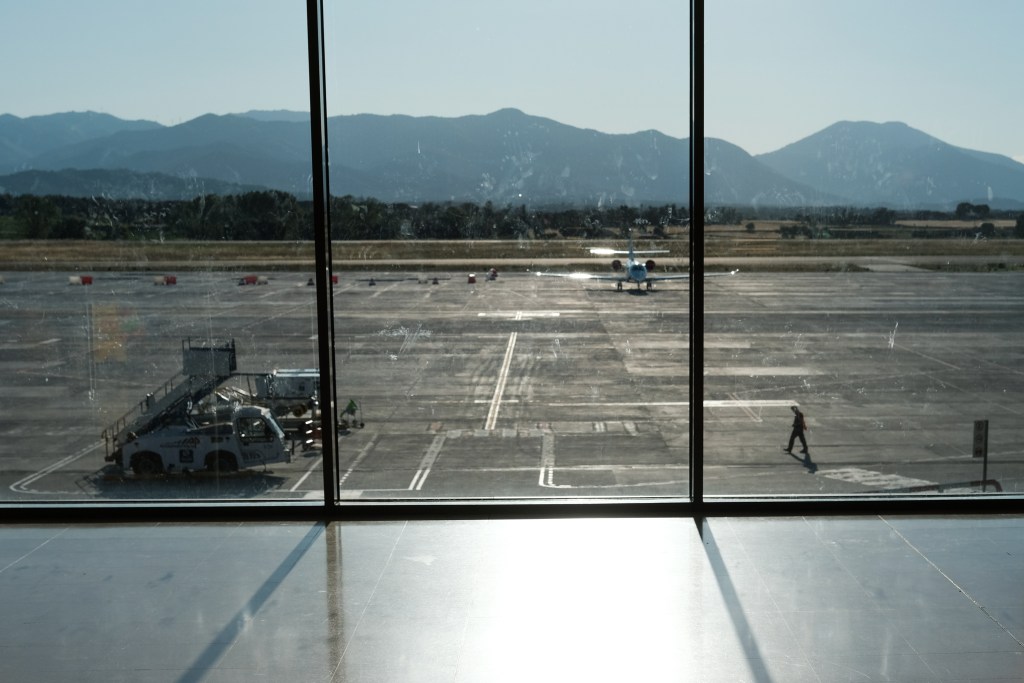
696 505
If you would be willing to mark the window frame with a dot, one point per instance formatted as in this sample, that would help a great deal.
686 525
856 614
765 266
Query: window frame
332 508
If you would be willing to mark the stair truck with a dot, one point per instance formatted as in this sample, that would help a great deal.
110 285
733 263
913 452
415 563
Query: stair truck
161 435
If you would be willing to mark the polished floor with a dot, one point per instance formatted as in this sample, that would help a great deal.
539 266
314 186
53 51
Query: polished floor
765 600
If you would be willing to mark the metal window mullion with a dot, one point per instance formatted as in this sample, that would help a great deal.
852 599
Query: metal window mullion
696 351
322 245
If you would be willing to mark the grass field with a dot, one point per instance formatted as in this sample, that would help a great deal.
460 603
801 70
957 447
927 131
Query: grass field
61 255
70 255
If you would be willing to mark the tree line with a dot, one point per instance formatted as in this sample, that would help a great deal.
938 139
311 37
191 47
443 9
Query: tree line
845 222
274 215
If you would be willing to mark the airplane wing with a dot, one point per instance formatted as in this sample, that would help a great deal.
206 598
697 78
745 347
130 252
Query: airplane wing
585 276
622 278
632 271
612 278
602 251
658 278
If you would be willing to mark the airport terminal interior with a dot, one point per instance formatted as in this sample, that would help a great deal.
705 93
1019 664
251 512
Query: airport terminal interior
887 552
783 599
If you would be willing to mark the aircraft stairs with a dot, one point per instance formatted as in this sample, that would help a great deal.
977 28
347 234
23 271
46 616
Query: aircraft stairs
204 368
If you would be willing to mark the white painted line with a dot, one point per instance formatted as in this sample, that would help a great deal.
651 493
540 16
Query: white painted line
492 414
766 403
429 458
747 409
598 404
19 486
547 463
309 471
748 403
359 458
520 315
761 371
856 475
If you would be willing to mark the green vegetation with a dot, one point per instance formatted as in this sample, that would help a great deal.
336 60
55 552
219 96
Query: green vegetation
272 215
270 229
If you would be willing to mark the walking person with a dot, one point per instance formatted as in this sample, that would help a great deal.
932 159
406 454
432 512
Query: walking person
799 426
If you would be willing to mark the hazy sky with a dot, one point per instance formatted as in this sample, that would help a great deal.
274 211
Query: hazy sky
776 71
604 64
779 71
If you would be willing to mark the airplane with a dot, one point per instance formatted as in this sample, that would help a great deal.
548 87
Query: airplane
632 270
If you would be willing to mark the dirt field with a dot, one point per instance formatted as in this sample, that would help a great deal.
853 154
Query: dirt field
73 255
721 242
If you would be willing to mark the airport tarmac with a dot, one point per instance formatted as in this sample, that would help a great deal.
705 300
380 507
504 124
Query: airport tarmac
536 387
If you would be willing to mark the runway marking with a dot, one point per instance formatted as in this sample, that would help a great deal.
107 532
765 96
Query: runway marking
761 371
734 403
428 462
746 409
745 406
492 414
547 463
378 290
547 477
359 458
520 315
309 471
750 403
19 486
885 482
598 404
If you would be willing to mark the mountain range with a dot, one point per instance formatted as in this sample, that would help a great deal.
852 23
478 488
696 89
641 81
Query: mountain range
506 157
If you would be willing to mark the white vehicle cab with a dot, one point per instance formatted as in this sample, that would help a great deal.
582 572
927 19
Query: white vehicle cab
252 438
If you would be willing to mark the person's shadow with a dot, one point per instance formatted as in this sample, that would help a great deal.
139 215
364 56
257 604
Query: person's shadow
806 461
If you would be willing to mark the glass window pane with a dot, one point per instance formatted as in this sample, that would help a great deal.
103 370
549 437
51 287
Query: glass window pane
474 145
154 164
872 207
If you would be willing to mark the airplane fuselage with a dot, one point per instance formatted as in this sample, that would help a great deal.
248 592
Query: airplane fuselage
637 272
633 270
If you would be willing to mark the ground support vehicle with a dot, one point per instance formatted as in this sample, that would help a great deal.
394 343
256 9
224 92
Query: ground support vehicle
251 438
292 395
162 434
